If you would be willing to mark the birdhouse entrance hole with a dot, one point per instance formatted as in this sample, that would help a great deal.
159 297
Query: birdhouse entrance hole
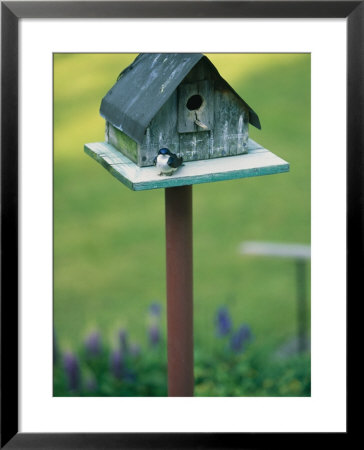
194 102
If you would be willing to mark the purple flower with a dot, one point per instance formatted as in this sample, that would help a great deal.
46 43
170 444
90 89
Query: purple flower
155 309
154 335
240 338
123 339
93 344
223 322
72 369
245 332
117 364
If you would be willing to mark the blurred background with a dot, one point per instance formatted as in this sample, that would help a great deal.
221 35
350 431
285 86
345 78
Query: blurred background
109 246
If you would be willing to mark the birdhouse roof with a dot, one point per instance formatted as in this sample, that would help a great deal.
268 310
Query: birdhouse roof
144 86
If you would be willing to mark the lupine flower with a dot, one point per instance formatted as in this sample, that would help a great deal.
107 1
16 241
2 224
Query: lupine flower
117 364
154 335
223 322
93 344
240 338
245 332
155 309
72 369
134 350
123 339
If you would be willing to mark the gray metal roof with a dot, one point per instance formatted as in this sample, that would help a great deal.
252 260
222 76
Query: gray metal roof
143 88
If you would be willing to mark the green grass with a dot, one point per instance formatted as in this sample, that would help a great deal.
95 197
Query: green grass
109 249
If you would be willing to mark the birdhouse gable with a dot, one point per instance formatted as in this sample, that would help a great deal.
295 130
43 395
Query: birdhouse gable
178 101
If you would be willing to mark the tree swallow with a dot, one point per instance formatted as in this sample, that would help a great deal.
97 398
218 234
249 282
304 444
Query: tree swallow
167 162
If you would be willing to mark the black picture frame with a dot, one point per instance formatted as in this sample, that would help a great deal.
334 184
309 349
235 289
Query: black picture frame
11 13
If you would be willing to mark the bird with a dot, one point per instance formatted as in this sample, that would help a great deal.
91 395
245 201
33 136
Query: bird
167 162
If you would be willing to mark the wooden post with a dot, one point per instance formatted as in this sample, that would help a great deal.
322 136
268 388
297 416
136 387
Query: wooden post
301 304
178 205
301 253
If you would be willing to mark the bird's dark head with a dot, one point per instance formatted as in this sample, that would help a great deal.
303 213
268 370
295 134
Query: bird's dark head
164 151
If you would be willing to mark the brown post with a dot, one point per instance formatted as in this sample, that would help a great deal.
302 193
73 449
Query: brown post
178 201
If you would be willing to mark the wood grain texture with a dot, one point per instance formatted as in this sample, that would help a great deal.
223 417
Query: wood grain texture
230 134
161 132
258 161
122 142
194 146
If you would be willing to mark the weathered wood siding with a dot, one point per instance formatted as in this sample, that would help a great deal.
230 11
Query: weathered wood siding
161 132
194 146
122 142
230 134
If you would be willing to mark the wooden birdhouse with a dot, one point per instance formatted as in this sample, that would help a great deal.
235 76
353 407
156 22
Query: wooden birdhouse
178 101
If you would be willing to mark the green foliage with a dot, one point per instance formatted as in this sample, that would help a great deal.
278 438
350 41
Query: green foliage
220 372
255 374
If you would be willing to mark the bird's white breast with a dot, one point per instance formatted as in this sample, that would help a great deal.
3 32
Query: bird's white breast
162 164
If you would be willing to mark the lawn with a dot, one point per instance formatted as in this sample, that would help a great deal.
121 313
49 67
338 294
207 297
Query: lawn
109 249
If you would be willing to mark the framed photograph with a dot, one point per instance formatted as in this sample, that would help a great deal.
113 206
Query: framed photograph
74 316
